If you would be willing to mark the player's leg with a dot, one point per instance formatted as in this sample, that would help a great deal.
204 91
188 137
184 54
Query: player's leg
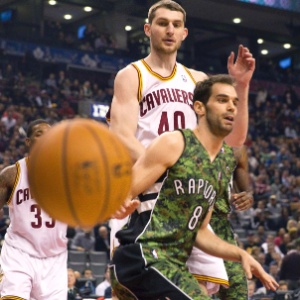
16 273
51 280
131 279
237 279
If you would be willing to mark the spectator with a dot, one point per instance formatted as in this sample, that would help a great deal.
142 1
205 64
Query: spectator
270 242
83 241
9 121
86 91
100 289
88 288
51 84
250 243
274 270
73 293
284 244
290 270
102 241
283 286
273 206
66 111
251 289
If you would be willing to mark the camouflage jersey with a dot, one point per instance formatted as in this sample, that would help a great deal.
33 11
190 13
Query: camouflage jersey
172 211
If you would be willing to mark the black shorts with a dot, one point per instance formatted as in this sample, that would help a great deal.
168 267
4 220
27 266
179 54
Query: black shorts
133 278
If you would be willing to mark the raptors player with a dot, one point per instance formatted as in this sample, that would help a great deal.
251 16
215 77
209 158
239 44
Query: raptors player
153 96
34 253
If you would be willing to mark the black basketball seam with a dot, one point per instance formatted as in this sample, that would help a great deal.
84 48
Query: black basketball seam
107 173
65 173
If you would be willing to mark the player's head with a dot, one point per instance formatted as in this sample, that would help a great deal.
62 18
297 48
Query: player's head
203 89
216 99
35 130
167 4
165 27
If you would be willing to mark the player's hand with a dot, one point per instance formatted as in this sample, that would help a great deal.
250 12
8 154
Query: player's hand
243 68
126 209
242 201
252 267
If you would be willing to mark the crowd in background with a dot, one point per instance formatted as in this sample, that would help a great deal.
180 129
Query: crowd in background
270 231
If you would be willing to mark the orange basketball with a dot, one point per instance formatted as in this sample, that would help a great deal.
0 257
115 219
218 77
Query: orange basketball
79 172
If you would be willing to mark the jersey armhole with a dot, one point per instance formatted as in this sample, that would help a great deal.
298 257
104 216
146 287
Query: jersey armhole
15 183
190 74
140 88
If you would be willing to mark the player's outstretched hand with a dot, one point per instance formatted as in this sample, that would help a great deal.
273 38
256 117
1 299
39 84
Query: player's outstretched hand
242 201
252 267
126 209
243 68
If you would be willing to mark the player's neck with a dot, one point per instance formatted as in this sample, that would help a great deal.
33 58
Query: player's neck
209 141
161 63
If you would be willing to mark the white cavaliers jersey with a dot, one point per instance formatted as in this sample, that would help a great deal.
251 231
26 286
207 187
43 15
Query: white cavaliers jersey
31 229
166 103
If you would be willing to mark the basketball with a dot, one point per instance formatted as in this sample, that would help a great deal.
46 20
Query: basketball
79 172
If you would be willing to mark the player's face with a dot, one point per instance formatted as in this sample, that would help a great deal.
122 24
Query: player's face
221 109
167 31
38 131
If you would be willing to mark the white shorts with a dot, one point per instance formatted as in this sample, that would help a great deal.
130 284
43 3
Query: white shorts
208 268
33 278
115 225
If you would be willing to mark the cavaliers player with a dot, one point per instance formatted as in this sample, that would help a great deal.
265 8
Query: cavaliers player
34 253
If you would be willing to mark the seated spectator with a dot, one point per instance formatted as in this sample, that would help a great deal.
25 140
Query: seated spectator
285 241
274 270
251 289
88 288
73 293
66 111
290 271
250 243
83 241
100 289
273 206
86 91
102 242
283 286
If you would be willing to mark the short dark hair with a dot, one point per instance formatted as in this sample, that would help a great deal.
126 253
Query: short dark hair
203 88
168 4
34 123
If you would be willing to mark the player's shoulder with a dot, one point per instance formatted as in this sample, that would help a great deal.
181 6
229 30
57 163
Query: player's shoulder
239 152
127 73
8 175
197 75
171 140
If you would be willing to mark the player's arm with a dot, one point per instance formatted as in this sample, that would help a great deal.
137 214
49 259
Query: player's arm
161 154
7 179
213 245
242 70
242 198
125 110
